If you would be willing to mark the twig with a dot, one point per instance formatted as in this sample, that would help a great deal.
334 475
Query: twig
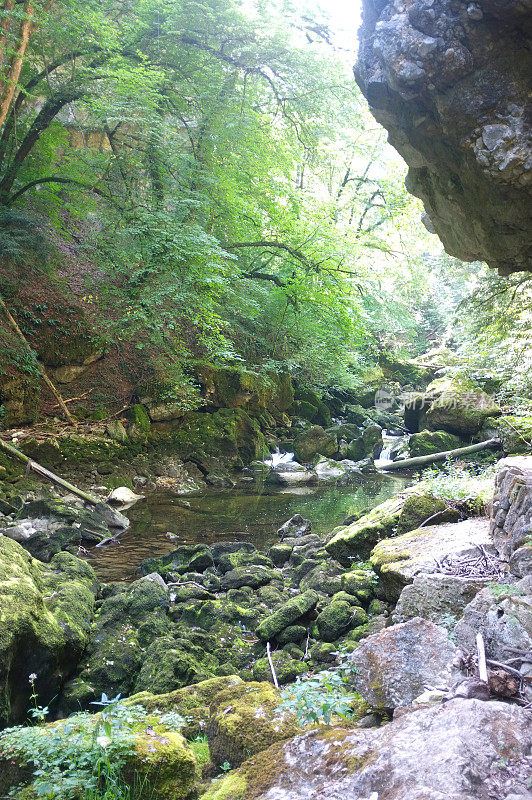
73 399
511 670
272 668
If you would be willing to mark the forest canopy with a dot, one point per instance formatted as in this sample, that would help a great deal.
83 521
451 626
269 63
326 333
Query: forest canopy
217 166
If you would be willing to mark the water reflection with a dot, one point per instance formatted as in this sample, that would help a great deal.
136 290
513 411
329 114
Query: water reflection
162 522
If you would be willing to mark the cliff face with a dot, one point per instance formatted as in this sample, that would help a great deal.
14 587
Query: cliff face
450 81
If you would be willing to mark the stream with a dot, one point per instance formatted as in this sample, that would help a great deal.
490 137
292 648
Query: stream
163 521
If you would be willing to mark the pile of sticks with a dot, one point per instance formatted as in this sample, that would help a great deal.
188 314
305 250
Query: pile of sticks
476 566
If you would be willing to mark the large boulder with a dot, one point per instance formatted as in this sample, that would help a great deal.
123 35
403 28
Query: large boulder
398 560
427 442
461 750
455 405
393 667
450 81
244 720
46 612
437 597
313 442
503 614
514 431
402 512
235 387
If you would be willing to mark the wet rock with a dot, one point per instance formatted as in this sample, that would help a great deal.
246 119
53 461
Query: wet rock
293 610
394 666
295 527
325 578
123 496
450 83
187 558
280 553
446 752
315 441
44 527
397 561
439 598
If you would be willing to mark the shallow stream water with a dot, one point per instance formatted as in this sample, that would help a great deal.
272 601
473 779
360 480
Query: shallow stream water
162 522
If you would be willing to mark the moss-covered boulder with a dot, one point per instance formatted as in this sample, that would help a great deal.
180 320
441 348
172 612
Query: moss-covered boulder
400 513
313 442
191 702
187 558
310 405
229 436
334 620
405 372
293 610
427 442
127 623
171 663
453 404
398 560
46 613
286 668
244 720
235 387
514 431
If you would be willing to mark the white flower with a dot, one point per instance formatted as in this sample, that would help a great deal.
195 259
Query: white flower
32 678
103 740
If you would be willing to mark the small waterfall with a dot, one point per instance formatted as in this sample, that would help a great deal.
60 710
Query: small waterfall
278 458
392 448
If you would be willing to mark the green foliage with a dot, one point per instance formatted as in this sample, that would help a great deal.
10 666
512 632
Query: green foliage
83 753
321 696
454 481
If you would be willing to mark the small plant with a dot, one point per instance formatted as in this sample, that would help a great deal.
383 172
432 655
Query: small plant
321 696
84 752
501 591
456 482
38 712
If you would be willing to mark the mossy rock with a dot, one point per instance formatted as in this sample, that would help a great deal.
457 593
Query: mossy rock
419 509
454 404
187 558
515 432
358 582
235 387
400 513
244 720
428 442
293 610
286 668
313 442
46 613
191 702
405 372
170 664
227 436
334 620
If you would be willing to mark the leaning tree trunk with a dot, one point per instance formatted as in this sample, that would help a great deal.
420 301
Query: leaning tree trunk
45 377
420 461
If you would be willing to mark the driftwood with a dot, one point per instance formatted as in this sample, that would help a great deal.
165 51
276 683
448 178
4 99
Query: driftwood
111 517
420 461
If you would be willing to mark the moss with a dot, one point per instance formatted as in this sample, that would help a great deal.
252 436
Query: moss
164 762
45 618
286 668
419 508
244 721
334 620
427 442
291 611
359 538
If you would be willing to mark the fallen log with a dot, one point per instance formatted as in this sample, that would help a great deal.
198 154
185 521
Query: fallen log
114 519
420 461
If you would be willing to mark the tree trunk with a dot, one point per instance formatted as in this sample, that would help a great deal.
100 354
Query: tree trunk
420 461
110 515
12 74
5 27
